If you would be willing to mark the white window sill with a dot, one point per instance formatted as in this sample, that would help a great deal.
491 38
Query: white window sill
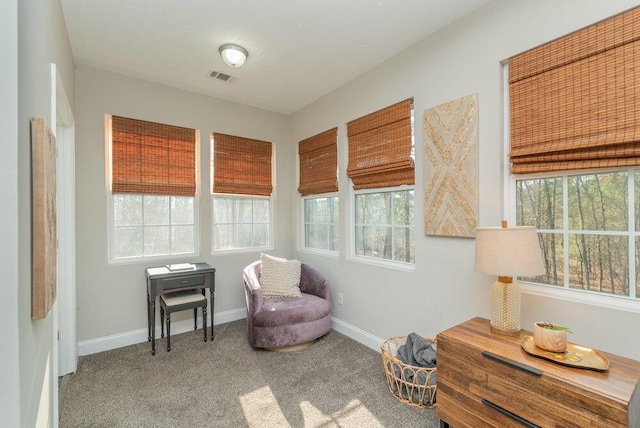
407 267
581 296
317 252
152 259
241 250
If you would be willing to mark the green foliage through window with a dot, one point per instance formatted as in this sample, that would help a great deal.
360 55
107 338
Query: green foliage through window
384 225
583 223
321 223
152 225
241 222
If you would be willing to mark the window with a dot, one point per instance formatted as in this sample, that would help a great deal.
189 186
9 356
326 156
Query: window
574 154
381 168
384 225
587 239
241 193
152 183
151 225
321 223
240 222
318 183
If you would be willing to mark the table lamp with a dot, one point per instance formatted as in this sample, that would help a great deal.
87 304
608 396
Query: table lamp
507 252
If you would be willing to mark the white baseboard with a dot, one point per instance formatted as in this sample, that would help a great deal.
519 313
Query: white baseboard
91 346
359 335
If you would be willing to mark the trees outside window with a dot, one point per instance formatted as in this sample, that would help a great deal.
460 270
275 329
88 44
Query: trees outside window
321 223
589 229
241 222
384 225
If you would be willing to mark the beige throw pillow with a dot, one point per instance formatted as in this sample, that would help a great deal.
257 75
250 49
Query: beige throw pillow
279 277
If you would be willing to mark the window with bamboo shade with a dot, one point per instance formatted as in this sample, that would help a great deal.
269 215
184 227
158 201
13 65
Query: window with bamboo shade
153 188
152 158
380 158
319 163
574 101
318 178
575 153
380 147
242 188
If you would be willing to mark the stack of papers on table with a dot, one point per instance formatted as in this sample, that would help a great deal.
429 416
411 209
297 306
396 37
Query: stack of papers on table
181 266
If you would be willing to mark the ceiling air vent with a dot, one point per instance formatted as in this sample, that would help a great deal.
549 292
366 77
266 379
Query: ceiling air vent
220 76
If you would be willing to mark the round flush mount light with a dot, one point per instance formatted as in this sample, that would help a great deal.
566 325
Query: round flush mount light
233 55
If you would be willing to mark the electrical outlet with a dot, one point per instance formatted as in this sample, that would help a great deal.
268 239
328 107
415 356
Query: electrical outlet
340 299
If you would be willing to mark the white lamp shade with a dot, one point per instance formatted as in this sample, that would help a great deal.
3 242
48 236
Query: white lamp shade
510 251
233 55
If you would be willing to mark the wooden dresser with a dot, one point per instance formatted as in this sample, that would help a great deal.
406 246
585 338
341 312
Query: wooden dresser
488 380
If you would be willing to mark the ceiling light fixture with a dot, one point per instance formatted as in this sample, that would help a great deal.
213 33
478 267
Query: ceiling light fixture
233 55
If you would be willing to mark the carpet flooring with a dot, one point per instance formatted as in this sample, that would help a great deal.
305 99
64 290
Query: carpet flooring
336 382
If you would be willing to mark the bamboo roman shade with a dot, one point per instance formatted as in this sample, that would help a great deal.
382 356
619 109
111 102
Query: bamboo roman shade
319 163
380 148
152 158
575 102
241 165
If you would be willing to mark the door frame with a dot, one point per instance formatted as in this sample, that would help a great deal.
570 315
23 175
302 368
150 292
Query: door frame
65 327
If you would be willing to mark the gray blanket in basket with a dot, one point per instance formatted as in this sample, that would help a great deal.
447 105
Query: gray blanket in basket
417 351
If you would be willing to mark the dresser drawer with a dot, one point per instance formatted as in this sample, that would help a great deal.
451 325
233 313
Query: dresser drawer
461 408
183 281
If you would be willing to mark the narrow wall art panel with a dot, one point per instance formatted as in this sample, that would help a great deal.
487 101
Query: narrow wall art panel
451 168
43 219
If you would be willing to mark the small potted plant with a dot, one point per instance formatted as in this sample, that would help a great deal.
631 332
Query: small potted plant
550 336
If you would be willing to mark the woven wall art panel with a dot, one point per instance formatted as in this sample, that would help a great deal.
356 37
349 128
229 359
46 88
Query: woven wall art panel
451 168
43 222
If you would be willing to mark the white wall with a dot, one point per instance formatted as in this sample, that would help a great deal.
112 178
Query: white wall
10 391
111 297
42 40
461 59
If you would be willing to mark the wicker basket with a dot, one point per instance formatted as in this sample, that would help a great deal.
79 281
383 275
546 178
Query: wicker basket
415 386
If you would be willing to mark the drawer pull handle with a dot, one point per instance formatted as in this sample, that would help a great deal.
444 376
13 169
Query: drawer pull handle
508 362
509 414
184 281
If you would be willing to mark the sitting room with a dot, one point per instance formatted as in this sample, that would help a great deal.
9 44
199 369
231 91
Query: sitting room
440 177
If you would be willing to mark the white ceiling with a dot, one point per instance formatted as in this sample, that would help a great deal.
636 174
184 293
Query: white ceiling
299 50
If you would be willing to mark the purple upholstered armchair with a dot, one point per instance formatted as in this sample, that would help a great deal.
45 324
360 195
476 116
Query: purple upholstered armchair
287 321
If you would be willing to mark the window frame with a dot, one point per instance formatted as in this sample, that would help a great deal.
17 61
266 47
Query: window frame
269 247
302 244
111 259
593 298
134 259
393 264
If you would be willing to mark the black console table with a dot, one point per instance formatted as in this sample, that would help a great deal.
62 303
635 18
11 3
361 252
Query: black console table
161 280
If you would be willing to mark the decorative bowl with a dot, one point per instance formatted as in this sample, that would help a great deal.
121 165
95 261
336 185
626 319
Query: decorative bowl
548 338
